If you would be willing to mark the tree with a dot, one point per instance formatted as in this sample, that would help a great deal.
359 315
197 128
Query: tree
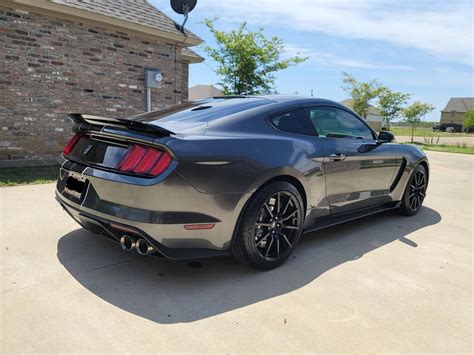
469 120
414 112
247 60
361 93
390 104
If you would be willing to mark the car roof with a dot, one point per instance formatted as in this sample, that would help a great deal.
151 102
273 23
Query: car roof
225 110
276 98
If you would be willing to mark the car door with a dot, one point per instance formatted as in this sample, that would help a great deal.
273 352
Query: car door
308 157
359 170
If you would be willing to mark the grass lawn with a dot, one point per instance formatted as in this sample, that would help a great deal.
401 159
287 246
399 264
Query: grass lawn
425 132
463 149
28 175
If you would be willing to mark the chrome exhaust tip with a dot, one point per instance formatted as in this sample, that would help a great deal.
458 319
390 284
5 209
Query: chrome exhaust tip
127 243
143 247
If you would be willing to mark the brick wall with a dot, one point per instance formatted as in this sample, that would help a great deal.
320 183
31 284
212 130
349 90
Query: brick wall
50 66
185 81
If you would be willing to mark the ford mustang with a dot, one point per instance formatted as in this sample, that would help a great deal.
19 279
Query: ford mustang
233 175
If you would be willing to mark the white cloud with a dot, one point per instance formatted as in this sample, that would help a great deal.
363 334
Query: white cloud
333 60
443 28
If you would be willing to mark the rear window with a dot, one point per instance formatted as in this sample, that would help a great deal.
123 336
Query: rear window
202 111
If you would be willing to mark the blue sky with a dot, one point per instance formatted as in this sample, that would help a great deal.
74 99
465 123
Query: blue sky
422 47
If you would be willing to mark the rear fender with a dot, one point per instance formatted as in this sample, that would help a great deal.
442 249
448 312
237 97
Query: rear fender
258 183
275 173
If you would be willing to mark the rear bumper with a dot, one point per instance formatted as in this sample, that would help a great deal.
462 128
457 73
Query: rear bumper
158 212
115 231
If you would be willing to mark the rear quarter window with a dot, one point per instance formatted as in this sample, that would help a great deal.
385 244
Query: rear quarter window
296 121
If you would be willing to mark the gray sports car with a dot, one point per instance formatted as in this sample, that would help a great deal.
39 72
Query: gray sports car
234 175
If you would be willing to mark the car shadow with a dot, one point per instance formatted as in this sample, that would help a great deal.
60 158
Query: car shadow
175 292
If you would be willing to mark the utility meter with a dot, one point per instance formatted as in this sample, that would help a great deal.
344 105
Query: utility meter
153 78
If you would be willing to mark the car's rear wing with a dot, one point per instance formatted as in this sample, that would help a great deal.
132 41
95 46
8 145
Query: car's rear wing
83 119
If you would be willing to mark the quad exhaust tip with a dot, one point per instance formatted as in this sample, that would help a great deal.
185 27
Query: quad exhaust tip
127 243
143 247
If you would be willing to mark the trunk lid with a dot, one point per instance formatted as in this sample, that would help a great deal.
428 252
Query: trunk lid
105 143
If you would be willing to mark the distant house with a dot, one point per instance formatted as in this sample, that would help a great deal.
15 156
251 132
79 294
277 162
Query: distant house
200 92
374 118
453 114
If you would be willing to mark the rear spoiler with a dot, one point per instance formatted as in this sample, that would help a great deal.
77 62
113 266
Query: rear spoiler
81 119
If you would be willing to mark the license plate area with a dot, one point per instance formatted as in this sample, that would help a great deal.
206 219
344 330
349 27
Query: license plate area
75 186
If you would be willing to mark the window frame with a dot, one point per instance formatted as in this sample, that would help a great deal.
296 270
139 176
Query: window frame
308 107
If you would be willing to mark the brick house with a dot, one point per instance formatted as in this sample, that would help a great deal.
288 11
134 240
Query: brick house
60 56
453 114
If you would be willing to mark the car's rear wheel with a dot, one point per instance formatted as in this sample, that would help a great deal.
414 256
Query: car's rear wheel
415 192
271 226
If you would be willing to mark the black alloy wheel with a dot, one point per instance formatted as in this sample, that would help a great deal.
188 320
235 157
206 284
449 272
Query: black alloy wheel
277 225
415 192
271 226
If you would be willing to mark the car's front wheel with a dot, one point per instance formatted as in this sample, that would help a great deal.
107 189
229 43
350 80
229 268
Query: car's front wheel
414 192
271 226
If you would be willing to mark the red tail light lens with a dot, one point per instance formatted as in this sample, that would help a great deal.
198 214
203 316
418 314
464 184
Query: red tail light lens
144 160
148 161
132 158
72 143
161 164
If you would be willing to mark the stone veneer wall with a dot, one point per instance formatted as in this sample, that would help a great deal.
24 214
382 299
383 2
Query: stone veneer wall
51 66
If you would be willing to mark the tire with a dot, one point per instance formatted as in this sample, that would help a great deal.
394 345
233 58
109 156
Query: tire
415 192
270 227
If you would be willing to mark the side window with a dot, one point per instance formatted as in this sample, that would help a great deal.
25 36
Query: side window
297 121
332 122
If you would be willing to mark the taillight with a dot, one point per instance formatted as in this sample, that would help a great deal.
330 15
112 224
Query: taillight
72 143
144 160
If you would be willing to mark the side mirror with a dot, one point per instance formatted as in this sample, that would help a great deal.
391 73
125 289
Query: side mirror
385 136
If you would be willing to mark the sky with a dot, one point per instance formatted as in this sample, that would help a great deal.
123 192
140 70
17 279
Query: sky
424 47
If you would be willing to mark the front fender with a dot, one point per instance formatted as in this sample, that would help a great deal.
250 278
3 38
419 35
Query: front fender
413 156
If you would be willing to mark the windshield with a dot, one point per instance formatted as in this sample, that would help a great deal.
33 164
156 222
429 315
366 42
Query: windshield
202 111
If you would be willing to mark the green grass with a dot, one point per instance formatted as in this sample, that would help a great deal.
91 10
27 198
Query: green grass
459 148
425 132
28 175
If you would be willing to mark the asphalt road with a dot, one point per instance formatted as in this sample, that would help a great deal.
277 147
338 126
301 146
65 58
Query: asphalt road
386 283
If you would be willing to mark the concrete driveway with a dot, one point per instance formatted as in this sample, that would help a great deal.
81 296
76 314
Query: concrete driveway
386 283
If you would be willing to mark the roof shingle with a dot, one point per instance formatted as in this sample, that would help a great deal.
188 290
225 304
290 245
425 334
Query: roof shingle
459 104
136 11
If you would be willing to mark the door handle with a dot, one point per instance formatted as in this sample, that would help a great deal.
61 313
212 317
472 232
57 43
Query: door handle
337 157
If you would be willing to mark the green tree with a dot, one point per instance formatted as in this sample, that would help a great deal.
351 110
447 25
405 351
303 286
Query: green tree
247 60
414 113
390 104
469 120
361 93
